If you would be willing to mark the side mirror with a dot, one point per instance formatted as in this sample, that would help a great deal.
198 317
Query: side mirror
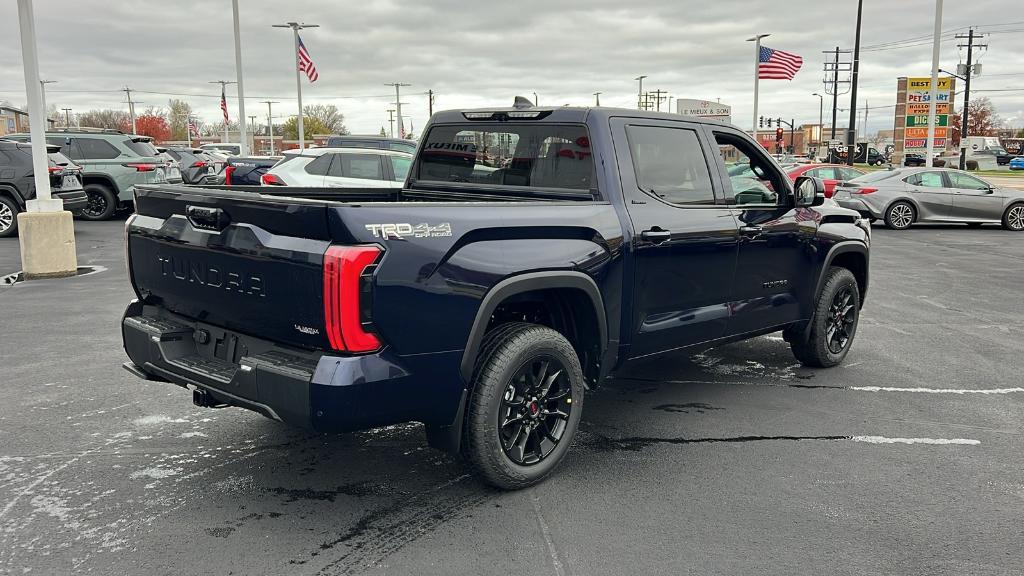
808 191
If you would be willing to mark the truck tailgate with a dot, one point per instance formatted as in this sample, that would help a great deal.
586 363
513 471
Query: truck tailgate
242 261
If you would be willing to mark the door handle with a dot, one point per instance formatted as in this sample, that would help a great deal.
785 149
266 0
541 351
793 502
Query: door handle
751 231
656 235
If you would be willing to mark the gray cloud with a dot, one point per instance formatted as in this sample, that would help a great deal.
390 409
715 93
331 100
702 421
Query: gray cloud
481 54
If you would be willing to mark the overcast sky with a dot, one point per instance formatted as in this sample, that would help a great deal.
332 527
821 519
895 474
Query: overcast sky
483 54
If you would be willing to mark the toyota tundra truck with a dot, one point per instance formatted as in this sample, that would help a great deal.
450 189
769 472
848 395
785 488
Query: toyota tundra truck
531 253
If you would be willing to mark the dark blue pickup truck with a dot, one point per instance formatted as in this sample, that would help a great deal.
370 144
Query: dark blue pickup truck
532 253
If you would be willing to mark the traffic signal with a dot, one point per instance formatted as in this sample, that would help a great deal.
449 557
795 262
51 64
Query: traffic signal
778 134
760 122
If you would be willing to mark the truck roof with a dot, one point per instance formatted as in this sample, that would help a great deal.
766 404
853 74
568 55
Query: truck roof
575 114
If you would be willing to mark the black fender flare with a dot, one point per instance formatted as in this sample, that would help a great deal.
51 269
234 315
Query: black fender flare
839 248
12 192
529 282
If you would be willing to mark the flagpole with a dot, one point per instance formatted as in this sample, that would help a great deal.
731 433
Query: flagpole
298 87
757 64
242 132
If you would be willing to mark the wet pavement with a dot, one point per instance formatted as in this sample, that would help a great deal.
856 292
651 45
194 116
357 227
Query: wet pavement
736 460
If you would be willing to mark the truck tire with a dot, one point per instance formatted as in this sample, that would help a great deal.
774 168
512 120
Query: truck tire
8 217
834 324
524 407
102 203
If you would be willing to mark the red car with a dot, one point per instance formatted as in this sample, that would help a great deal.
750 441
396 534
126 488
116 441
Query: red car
832 174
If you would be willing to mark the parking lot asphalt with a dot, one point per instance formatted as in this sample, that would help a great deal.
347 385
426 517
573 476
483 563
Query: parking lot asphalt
907 459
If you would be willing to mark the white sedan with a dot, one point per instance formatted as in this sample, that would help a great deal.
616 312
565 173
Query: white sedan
340 168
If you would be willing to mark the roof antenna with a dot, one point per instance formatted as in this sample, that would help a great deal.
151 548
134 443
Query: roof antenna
522 102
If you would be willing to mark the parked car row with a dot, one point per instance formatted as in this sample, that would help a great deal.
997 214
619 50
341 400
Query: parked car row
17 182
903 197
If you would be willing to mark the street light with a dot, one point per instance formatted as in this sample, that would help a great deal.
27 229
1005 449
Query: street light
757 64
535 99
821 106
640 92
243 136
42 92
295 26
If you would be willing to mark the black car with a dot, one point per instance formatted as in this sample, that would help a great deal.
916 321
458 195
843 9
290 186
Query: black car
17 182
248 170
913 159
377 142
498 288
197 166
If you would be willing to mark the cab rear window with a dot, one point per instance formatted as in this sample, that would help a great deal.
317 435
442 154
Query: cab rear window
522 156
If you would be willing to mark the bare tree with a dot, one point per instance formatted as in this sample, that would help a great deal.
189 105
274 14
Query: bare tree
106 118
332 121
178 113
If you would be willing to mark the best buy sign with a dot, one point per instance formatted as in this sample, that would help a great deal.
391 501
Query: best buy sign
940 120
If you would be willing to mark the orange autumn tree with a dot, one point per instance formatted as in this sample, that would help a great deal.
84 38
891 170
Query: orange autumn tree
154 126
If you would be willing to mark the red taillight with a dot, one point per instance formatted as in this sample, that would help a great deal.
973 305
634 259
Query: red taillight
227 174
344 268
53 169
199 164
141 167
865 190
271 180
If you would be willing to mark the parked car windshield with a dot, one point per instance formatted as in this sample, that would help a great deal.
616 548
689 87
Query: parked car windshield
506 154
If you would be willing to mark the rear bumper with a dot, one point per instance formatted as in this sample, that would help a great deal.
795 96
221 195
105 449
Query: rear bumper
302 388
865 209
73 200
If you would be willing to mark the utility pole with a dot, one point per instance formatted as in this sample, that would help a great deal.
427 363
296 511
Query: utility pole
640 92
295 26
67 117
832 82
757 65
658 98
967 91
243 136
430 102
398 107
391 122
597 98
851 130
223 86
535 99
131 107
270 124
252 125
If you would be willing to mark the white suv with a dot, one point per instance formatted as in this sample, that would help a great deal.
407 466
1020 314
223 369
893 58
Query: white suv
340 168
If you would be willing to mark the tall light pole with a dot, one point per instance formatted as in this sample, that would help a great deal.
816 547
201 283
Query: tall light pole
821 118
391 122
295 26
270 124
757 65
398 107
46 233
42 94
223 85
640 92
535 99
131 106
243 135
597 98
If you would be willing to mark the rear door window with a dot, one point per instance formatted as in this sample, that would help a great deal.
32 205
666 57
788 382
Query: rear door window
669 163
93 149
363 166
400 166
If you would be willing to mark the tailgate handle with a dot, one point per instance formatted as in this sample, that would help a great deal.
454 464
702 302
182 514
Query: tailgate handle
206 218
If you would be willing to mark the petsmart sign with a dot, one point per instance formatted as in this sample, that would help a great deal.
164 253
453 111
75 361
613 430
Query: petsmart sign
918 99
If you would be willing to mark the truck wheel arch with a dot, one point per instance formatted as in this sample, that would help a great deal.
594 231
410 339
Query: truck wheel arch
852 255
534 282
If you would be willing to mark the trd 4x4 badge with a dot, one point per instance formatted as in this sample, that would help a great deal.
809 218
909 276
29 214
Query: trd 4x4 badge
405 230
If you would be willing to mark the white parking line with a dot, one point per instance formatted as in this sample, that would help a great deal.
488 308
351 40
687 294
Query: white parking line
937 390
885 440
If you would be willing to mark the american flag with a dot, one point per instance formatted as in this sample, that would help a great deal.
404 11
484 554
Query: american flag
224 103
306 63
193 127
777 65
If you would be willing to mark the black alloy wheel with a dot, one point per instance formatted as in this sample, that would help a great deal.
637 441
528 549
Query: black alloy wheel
842 316
101 203
535 410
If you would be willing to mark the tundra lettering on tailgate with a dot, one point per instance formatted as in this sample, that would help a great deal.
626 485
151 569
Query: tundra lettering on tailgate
196 272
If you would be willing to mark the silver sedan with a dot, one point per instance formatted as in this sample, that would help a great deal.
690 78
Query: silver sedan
904 196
